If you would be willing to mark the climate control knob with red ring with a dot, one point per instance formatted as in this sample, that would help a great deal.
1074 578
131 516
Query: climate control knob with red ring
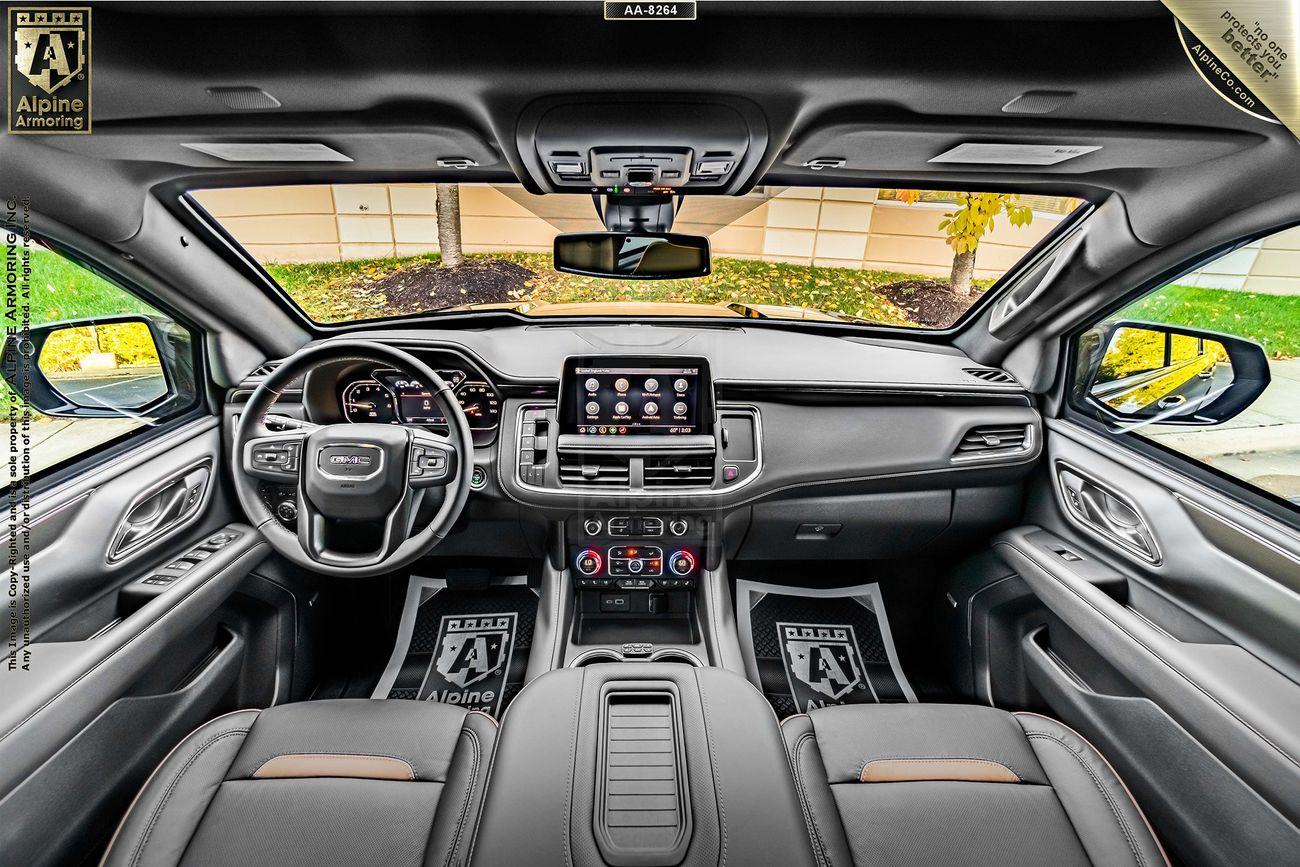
589 562
682 563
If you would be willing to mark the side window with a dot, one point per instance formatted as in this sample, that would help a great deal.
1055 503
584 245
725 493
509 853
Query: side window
99 365
1208 366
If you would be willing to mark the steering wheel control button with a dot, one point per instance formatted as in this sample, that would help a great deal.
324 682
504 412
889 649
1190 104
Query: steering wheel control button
682 563
589 562
283 457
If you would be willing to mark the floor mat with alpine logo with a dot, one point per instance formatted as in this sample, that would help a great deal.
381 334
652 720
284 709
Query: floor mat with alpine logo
467 647
807 648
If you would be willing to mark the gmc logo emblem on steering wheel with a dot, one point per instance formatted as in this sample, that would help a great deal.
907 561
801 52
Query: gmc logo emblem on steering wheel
355 460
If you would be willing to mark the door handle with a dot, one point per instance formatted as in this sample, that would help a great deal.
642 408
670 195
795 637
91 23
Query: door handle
159 511
1106 513
155 514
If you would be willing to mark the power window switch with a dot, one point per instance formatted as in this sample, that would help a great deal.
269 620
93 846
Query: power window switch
198 555
181 565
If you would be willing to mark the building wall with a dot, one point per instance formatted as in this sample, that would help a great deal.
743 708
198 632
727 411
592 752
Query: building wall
805 225
1270 266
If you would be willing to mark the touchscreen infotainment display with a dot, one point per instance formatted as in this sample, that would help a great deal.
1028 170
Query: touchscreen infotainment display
613 399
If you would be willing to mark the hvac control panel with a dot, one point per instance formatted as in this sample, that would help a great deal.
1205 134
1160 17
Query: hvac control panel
635 552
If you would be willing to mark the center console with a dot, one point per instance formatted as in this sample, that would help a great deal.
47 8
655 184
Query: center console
631 457
635 572
643 765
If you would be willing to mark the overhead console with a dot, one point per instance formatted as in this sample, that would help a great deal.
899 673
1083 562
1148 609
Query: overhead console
615 146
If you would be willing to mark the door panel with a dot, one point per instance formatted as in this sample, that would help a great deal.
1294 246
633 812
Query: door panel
117 670
1172 639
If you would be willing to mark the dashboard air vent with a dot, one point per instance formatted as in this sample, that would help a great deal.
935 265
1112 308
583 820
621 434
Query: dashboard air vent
592 471
988 374
266 369
684 471
994 441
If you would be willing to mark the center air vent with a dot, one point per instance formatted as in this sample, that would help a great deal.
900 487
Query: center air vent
588 470
991 442
988 374
684 471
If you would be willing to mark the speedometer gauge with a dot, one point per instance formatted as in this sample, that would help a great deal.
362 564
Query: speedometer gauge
368 401
481 405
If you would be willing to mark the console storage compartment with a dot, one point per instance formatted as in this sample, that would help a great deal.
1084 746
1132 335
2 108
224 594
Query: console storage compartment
649 765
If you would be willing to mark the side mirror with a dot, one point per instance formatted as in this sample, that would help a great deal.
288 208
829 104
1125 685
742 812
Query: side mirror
663 256
107 367
1161 374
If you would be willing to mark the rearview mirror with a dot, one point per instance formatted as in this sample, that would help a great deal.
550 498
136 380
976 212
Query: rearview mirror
95 368
1163 374
632 256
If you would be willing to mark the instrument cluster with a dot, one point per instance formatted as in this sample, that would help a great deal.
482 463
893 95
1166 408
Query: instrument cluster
388 396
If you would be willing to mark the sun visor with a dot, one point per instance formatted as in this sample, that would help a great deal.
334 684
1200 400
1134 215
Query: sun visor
872 147
359 142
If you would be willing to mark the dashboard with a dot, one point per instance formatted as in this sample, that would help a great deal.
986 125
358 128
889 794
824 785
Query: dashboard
823 440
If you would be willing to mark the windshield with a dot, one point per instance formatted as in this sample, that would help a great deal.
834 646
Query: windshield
905 258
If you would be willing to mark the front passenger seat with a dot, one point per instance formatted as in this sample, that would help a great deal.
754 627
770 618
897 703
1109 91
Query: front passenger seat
321 782
959 784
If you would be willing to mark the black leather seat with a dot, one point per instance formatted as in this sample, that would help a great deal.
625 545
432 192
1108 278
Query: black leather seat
323 782
955 784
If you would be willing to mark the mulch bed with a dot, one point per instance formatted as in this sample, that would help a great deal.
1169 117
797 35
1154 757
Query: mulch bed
928 302
429 286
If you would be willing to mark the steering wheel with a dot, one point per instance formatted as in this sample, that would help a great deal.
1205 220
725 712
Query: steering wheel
352 474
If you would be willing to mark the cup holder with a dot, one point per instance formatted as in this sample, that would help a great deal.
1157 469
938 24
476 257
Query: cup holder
606 654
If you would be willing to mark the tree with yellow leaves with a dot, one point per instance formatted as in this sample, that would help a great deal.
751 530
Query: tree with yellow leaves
970 222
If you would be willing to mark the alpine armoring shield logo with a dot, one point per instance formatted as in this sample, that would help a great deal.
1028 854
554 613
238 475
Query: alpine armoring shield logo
471 661
49 70
823 664
50 47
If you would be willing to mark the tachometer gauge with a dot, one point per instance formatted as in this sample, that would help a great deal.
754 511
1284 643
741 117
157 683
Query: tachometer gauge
481 405
368 401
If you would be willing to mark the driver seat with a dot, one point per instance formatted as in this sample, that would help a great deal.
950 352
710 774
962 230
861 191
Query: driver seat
348 781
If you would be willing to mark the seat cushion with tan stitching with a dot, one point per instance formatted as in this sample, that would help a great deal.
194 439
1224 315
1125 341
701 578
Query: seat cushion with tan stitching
959 784
321 782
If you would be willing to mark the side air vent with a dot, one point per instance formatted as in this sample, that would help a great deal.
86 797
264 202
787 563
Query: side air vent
685 471
266 369
992 442
988 374
594 471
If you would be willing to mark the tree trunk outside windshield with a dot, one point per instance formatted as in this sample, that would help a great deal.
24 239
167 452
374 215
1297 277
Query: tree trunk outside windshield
963 269
449 224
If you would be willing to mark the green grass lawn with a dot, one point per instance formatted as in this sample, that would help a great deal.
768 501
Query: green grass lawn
64 290
1273 321
337 291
